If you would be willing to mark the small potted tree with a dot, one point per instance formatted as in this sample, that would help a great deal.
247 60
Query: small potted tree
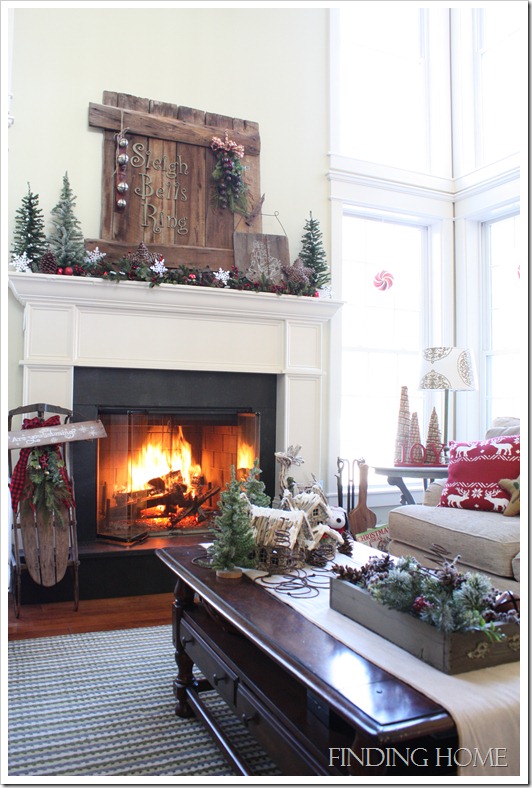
234 543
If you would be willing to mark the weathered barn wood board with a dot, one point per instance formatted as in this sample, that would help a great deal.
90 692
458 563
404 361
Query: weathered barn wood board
46 544
169 203
255 252
60 433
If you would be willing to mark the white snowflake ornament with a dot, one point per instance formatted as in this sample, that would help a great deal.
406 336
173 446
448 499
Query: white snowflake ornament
21 262
159 267
222 276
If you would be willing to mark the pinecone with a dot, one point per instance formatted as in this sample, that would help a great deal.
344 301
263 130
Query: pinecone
297 273
48 263
347 547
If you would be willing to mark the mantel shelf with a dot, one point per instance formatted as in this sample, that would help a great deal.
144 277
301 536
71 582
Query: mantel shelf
95 292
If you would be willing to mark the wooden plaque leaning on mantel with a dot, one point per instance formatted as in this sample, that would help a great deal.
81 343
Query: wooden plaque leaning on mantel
168 181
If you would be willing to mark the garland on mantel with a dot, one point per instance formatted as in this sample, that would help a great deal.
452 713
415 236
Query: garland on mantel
145 266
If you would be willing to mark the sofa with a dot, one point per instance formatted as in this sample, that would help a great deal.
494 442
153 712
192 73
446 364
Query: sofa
487 537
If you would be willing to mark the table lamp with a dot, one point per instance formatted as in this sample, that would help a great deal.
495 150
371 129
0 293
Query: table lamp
447 369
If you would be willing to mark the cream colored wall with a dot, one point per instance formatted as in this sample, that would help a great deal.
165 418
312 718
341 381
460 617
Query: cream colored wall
265 65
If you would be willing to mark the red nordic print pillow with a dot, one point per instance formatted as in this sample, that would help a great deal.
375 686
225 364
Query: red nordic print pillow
475 469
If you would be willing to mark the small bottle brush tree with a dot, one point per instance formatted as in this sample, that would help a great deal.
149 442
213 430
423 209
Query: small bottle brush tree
254 488
66 239
29 237
312 253
234 543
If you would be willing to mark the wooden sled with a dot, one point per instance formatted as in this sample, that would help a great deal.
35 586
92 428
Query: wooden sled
43 545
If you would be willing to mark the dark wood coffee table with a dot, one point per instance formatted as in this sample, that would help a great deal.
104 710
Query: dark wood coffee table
315 705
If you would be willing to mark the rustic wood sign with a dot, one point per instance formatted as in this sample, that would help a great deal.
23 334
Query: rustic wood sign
62 433
257 254
157 181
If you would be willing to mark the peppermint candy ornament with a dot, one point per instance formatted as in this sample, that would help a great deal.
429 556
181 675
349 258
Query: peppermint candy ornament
383 280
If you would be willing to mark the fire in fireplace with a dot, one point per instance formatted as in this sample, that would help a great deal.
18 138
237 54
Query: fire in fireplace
216 412
160 472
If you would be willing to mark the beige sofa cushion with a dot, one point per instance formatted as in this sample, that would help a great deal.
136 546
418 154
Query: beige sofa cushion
486 541
504 425
516 566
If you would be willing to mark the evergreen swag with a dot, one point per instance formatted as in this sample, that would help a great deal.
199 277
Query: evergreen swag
234 542
312 254
66 239
153 271
47 488
29 240
444 598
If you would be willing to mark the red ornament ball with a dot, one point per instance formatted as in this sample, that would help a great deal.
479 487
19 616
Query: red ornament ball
59 271
383 280
68 270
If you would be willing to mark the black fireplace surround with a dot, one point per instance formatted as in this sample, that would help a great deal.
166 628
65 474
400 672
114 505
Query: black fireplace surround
109 570
97 389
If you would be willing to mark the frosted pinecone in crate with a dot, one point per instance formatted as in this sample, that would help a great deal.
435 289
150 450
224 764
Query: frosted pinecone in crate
48 263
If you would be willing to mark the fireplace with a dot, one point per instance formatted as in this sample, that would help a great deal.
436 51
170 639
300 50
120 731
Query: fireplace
160 471
172 438
97 347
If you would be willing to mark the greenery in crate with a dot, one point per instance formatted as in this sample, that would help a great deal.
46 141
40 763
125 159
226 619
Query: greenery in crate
444 597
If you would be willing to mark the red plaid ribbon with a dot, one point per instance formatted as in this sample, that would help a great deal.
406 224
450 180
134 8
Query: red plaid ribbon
18 478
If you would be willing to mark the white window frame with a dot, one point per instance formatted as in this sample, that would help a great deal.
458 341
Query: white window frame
453 208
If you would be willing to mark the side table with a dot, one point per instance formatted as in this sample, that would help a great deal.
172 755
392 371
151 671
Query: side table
396 475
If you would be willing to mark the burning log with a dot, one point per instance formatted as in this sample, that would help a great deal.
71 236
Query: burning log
194 506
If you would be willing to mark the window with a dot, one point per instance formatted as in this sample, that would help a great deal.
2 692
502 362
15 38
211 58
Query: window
500 93
384 285
392 89
433 214
502 341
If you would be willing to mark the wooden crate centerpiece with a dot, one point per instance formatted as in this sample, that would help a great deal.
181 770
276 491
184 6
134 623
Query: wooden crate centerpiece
451 652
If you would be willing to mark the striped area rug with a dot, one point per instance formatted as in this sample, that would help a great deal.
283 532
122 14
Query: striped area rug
101 704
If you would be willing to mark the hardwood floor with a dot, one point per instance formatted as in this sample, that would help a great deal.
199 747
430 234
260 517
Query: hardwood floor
93 615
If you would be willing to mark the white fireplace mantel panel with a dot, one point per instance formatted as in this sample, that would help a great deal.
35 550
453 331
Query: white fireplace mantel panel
53 384
305 347
49 333
164 341
81 321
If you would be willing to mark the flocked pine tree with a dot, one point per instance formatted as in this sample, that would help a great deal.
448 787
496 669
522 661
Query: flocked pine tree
66 239
234 542
29 237
312 253
255 488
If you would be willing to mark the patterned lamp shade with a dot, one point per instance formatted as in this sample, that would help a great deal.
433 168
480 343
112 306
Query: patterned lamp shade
448 368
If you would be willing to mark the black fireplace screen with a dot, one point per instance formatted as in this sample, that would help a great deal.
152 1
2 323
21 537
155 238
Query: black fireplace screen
160 472
214 413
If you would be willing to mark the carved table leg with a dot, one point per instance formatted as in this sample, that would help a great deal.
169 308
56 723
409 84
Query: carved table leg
406 495
184 597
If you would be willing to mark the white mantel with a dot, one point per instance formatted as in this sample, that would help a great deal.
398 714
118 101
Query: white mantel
82 321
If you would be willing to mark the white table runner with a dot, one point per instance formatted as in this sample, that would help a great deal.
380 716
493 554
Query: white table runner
485 703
